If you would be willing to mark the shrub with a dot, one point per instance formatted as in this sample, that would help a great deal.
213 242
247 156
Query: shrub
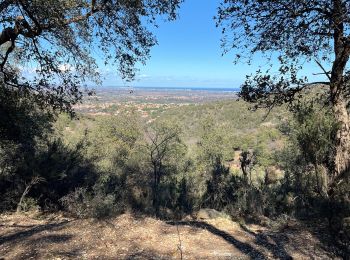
82 204
30 204
76 202
103 206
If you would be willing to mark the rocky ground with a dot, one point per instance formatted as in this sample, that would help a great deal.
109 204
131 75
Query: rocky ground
139 237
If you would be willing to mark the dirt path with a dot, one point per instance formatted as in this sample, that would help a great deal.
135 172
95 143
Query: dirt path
130 237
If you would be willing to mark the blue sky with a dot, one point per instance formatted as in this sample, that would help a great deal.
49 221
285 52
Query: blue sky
188 54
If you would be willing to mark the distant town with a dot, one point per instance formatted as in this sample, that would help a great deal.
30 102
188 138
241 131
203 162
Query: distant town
149 102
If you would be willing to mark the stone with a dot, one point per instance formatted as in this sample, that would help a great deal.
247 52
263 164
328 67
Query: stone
209 214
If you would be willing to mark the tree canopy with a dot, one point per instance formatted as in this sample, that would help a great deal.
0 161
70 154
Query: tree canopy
298 32
58 39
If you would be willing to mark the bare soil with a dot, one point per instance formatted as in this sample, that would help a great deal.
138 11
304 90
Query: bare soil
139 237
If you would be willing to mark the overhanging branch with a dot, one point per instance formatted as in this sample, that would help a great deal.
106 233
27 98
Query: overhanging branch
323 69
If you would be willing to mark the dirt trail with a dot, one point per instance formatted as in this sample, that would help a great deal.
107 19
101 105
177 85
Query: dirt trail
130 237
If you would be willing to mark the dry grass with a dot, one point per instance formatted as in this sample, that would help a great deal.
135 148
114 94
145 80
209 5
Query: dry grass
139 237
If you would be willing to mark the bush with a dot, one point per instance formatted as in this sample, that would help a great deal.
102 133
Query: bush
76 202
83 204
30 204
103 206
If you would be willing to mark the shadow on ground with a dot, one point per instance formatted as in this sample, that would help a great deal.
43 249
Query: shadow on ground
30 232
261 240
26 242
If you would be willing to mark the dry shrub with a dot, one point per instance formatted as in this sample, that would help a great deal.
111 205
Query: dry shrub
82 204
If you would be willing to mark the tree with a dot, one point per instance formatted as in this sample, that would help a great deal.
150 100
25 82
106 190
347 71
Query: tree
247 160
298 31
213 143
35 180
218 194
313 132
21 120
58 37
165 148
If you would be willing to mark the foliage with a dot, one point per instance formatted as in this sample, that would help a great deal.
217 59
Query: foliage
307 188
213 143
165 150
311 135
116 157
99 166
82 204
21 120
57 36
297 33
217 194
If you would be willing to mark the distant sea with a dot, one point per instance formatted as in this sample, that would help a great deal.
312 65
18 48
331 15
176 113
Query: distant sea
212 89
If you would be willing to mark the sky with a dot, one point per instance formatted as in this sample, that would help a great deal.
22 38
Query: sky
188 53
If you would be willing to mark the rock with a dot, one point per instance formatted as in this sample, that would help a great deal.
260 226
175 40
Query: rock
187 218
346 225
209 214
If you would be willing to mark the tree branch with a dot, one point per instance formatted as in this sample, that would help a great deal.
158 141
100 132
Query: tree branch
5 4
323 69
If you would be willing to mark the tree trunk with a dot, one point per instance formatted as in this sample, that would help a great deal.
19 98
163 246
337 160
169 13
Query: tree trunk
337 89
24 194
35 180
342 142
155 202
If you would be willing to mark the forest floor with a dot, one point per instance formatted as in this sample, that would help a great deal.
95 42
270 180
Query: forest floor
140 237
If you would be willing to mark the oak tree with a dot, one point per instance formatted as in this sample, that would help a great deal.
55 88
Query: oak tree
59 40
296 32
165 148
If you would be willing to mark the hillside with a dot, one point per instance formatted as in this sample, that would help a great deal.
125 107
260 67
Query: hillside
168 161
